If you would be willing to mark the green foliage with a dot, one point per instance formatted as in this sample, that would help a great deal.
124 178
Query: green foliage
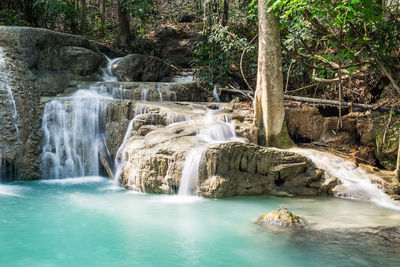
346 28
11 17
145 10
51 10
215 53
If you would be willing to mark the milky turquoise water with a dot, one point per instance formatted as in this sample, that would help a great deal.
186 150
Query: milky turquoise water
90 222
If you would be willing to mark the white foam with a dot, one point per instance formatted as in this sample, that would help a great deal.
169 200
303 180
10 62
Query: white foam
75 181
11 190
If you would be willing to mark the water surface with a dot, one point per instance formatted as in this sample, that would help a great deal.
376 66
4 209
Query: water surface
90 222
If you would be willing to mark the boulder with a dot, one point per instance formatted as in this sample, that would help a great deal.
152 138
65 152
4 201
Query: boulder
280 217
137 67
176 45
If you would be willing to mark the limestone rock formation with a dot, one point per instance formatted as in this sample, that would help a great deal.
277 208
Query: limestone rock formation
362 133
137 67
39 63
157 149
280 217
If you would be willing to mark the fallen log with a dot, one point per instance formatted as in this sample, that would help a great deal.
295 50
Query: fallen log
337 103
319 101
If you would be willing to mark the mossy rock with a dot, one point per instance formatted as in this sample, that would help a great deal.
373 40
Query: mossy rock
386 152
281 217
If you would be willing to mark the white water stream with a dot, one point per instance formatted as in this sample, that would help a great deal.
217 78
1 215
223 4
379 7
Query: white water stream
215 129
5 83
72 130
355 180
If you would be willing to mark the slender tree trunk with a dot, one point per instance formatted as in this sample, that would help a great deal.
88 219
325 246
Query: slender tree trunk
225 16
82 28
397 171
103 16
268 100
124 36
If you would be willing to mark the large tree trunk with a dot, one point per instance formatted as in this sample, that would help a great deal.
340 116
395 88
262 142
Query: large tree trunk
268 100
124 35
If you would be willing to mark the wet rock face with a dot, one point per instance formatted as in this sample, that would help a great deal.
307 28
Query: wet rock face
280 217
39 63
238 169
52 59
362 134
137 67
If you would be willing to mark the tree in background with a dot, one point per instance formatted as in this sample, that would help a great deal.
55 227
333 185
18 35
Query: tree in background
144 10
268 100
397 171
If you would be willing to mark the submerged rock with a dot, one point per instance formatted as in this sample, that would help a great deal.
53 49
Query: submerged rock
280 217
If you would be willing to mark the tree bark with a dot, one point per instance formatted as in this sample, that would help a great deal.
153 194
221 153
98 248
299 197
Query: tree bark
268 100
103 16
225 16
124 35
82 28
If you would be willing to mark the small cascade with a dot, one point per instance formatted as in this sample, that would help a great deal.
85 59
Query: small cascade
216 129
184 77
5 83
355 180
177 117
159 92
108 76
190 171
144 93
122 154
215 94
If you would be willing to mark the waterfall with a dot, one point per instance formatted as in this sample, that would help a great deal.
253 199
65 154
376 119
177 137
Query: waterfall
5 83
159 92
73 134
144 93
215 94
190 171
108 76
215 129
122 155
354 179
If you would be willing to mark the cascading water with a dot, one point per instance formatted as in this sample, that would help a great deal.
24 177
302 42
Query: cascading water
73 134
215 94
216 129
144 94
159 92
355 180
190 171
5 83
122 154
